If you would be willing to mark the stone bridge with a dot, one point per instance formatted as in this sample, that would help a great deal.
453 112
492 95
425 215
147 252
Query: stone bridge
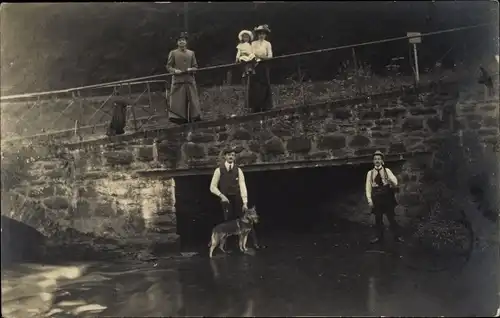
124 186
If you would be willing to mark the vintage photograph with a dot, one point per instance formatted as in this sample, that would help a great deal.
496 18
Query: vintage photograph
250 159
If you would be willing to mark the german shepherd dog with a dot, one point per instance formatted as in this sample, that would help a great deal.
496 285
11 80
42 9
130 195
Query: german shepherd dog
241 226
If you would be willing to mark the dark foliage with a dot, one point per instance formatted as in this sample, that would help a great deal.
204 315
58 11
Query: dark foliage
54 46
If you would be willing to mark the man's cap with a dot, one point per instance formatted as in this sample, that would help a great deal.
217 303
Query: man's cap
228 150
378 153
183 35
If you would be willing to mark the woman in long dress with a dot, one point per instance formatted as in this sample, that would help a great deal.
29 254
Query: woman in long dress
260 97
184 101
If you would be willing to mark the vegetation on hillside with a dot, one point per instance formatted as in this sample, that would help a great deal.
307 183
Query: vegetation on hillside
71 44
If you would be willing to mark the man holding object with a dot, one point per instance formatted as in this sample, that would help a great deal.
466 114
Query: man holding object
380 184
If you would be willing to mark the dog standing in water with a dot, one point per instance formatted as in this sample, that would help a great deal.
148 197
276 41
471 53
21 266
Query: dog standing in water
241 226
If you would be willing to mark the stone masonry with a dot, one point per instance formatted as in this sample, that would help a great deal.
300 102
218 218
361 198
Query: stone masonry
122 186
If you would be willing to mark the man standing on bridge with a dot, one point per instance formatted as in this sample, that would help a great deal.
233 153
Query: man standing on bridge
184 101
380 184
228 183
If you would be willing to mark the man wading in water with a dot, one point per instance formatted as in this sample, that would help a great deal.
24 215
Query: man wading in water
228 183
380 184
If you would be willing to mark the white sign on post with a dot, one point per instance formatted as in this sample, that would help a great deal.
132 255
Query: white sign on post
416 39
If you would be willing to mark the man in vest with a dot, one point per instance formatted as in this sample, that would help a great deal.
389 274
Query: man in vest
380 184
228 183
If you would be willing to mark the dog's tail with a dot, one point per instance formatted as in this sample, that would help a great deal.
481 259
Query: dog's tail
211 238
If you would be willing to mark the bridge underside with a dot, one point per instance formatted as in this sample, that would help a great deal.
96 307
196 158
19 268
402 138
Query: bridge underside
298 164
308 200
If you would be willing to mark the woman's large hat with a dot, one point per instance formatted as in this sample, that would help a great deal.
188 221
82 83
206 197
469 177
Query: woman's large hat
249 33
262 28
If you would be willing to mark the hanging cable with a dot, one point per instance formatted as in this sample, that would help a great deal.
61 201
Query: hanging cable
11 97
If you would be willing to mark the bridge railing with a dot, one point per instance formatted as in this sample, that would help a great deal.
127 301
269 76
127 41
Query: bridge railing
297 79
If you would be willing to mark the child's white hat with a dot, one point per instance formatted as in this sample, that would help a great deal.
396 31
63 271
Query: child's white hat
250 34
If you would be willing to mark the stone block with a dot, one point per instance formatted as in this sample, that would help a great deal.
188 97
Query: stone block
474 125
491 121
318 155
332 141
119 157
246 157
488 132
200 137
397 148
366 123
331 127
282 132
95 175
394 112
299 145
412 124
468 108
381 134
203 163
45 190
342 114
383 122
492 141
83 209
56 173
242 134
274 146
422 111
370 115
105 209
473 117
368 151
254 146
264 135
214 150
193 150
56 202
223 136
434 123
410 99
489 107
359 141
168 149
145 154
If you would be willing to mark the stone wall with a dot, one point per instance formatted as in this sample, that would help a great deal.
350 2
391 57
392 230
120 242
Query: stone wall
114 186
394 123
64 191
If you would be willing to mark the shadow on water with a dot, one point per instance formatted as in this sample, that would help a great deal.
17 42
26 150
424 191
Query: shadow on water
20 242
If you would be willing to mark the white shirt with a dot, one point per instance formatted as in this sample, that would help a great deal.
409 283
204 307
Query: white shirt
244 48
370 183
214 185
262 49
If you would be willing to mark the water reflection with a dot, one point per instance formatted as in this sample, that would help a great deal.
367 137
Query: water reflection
304 275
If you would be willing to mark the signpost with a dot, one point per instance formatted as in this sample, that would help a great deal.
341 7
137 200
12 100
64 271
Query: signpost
414 38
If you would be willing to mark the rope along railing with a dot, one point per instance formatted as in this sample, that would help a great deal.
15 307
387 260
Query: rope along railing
151 77
146 95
